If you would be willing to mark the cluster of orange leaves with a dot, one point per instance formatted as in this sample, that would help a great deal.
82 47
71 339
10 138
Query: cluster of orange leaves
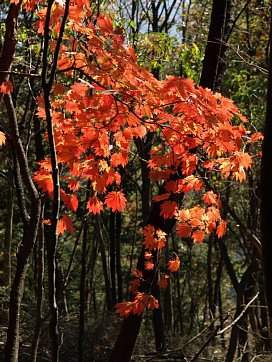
111 101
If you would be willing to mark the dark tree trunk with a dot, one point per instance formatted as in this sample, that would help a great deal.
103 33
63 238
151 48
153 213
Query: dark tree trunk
235 331
266 189
215 52
106 273
210 280
118 256
29 237
90 273
168 305
39 305
8 232
81 336
112 256
128 334
158 322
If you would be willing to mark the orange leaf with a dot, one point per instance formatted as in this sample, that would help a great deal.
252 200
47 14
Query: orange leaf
65 224
173 265
149 265
152 303
198 236
2 138
221 229
94 205
70 200
124 309
161 197
184 230
168 209
134 284
137 273
244 159
116 200
119 159
210 198
163 282
46 221
6 87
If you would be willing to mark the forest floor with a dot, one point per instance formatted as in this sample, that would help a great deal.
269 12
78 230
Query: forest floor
100 337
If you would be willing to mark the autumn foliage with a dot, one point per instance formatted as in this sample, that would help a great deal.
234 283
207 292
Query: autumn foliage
107 103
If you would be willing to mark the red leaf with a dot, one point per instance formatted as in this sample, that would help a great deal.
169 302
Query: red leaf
94 205
152 303
134 284
119 159
163 282
6 87
221 229
184 230
65 224
173 265
116 200
149 265
161 197
198 236
168 209
124 309
2 138
210 198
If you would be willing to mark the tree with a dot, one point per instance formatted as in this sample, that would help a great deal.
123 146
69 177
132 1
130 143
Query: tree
95 101
266 195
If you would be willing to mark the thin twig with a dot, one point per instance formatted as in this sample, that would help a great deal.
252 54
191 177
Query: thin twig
236 19
236 320
21 74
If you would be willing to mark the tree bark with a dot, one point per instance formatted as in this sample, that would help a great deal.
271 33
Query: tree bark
29 237
106 273
81 335
215 52
266 189
8 232
128 334
40 279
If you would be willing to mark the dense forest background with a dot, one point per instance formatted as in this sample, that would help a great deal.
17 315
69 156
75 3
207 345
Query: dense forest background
60 287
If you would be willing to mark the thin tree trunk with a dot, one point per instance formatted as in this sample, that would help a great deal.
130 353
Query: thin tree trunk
118 256
168 305
210 281
47 83
106 273
112 255
40 278
81 336
8 232
29 237
90 276
240 304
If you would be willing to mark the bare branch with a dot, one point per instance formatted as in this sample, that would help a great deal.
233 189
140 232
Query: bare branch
236 320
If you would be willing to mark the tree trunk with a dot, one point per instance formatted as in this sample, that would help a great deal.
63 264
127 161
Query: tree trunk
215 52
81 336
118 256
106 273
128 334
112 256
29 236
239 308
266 189
8 232
40 279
